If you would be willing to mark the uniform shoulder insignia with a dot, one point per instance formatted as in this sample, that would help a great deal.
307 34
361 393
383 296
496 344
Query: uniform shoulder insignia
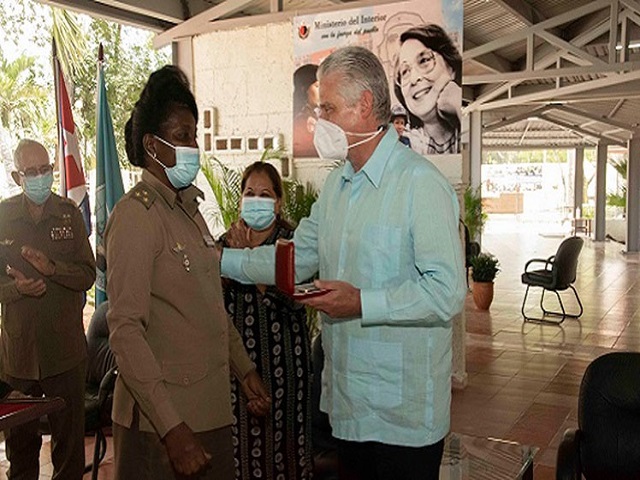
143 194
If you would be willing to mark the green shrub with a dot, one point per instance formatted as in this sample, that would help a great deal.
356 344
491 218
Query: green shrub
485 267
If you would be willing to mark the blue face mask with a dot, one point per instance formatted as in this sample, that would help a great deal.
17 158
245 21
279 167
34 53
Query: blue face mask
258 212
38 189
187 166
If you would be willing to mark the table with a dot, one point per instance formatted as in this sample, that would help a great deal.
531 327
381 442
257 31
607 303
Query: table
15 412
474 458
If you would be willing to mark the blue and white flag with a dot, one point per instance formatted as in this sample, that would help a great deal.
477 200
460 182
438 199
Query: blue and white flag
109 187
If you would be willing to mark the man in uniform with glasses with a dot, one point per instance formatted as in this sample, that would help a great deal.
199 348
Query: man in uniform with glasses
46 264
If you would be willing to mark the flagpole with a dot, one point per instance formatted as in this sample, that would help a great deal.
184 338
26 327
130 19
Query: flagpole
60 150
109 186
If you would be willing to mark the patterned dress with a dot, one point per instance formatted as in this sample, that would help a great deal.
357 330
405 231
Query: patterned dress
274 330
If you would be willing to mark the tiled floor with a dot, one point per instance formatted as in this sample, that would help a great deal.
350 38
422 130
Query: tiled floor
524 379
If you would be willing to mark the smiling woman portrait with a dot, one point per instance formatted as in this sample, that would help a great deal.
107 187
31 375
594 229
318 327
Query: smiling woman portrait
427 81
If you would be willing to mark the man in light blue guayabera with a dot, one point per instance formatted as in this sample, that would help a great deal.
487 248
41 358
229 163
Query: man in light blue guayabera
383 236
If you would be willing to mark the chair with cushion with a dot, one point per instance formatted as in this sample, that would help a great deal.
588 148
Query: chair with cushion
101 377
558 274
606 444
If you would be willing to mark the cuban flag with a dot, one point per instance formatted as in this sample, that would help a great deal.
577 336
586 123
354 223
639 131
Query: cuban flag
72 182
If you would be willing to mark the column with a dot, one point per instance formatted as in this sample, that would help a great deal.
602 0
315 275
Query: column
459 375
182 56
578 187
601 191
633 195
475 149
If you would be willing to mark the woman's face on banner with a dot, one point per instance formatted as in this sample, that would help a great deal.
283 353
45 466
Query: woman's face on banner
419 69
313 96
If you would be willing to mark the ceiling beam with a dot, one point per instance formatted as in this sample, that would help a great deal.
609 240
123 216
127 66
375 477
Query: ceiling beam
535 29
577 129
108 12
522 10
546 55
514 119
195 24
168 10
567 46
492 61
584 114
556 94
550 73
632 4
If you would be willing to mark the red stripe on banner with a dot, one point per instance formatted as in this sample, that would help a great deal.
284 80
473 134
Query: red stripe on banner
74 176
65 105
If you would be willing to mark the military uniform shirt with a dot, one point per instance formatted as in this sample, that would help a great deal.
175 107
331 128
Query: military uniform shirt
44 336
173 342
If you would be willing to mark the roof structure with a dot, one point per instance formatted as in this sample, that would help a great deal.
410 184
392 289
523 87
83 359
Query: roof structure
544 73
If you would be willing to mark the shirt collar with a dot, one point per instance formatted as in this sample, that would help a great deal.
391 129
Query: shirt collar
187 195
20 209
374 167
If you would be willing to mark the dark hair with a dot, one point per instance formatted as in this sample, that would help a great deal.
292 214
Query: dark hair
267 169
165 90
399 115
303 78
276 181
434 37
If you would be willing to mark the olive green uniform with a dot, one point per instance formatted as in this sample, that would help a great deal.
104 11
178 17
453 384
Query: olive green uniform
173 342
42 344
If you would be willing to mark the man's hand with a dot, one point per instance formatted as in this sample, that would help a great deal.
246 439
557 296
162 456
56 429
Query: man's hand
39 260
258 400
29 287
185 451
343 301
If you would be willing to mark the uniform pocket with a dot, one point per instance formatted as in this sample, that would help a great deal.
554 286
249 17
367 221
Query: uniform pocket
375 372
184 374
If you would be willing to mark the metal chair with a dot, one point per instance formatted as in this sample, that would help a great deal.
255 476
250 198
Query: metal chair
101 378
558 274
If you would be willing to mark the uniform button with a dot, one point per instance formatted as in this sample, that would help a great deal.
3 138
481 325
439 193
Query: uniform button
185 380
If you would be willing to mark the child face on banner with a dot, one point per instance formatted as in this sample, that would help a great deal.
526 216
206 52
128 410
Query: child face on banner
422 74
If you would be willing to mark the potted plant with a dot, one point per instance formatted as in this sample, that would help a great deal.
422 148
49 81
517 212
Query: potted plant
474 217
485 267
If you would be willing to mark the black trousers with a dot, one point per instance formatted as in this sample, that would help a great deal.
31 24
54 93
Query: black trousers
379 461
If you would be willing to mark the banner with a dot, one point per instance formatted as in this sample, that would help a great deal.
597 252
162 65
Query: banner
72 181
109 186
419 44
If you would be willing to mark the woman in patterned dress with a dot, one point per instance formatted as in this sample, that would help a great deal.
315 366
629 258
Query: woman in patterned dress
274 330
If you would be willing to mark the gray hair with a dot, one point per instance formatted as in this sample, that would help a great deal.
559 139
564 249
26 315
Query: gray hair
361 70
22 145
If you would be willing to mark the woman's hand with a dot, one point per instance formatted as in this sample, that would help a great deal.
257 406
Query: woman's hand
258 399
449 101
185 451
239 235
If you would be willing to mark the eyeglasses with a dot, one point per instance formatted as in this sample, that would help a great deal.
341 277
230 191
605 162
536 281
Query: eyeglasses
425 63
36 171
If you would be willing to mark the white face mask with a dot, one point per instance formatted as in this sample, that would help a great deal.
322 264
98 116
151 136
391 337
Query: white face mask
331 141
